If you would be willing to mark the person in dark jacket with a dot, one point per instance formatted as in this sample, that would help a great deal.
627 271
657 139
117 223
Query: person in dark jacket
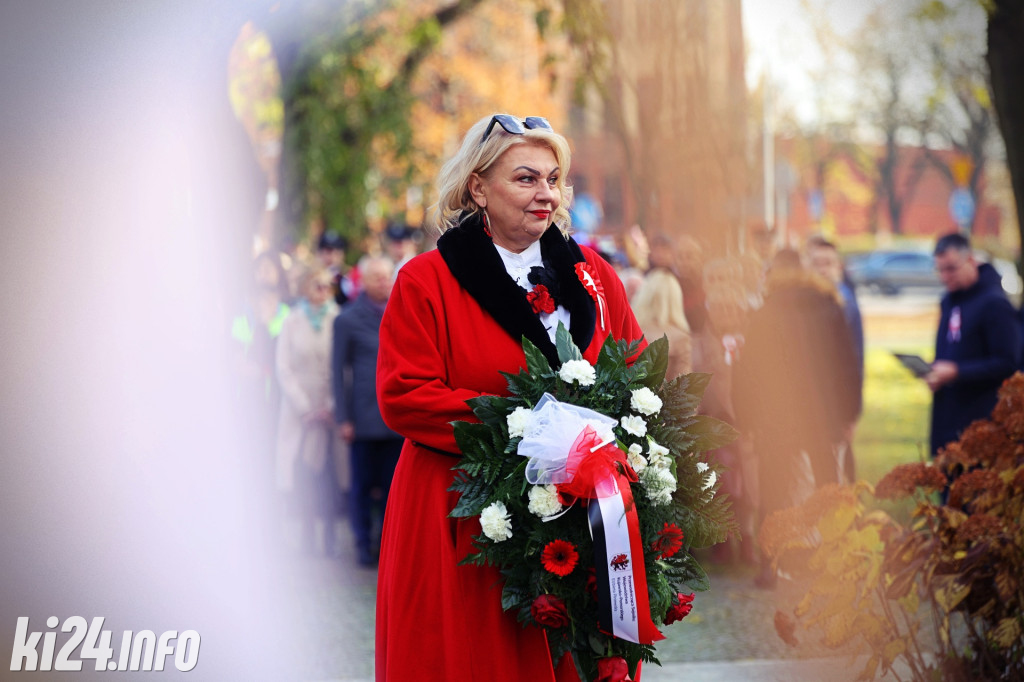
823 258
795 387
373 447
978 344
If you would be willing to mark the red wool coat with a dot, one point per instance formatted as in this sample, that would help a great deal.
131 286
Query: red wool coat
440 345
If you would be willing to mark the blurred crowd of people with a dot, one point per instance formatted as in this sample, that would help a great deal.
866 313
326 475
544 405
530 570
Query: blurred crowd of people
778 329
306 342
781 335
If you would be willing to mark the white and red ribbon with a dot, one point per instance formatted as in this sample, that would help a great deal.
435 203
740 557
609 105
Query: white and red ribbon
595 469
624 609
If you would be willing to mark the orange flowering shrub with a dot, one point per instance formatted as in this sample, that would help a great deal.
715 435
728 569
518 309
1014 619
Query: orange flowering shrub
905 479
877 581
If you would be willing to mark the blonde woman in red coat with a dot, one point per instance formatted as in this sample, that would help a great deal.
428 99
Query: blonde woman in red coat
504 267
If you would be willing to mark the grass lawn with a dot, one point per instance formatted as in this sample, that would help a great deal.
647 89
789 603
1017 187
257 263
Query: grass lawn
893 428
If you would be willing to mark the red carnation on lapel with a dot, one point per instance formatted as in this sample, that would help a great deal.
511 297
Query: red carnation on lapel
540 299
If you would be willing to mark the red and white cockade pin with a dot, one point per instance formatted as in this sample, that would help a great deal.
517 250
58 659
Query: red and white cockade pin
592 284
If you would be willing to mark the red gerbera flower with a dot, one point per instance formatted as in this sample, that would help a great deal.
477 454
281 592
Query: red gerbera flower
559 557
669 541
540 299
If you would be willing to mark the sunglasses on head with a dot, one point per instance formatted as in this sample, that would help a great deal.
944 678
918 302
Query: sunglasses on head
513 125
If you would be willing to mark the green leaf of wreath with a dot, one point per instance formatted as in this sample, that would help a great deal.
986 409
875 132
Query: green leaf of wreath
491 409
536 363
693 576
611 361
708 525
473 496
513 597
683 394
650 367
567 350
704 433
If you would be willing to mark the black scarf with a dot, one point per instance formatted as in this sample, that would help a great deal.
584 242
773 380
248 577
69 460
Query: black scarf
474 262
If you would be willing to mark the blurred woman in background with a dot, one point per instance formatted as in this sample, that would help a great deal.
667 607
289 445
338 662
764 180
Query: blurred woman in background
658 307
305 470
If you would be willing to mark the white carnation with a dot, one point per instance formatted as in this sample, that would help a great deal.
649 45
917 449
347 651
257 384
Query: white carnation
495 522
645 401
634 424
544 500
578 370
519 421
659 484
635 459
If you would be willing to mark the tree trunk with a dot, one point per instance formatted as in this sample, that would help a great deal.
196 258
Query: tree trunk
1006 64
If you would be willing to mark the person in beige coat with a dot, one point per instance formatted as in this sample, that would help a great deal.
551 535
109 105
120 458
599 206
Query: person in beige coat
304 467
658 307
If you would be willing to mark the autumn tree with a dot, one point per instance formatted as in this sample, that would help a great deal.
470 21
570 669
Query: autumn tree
665 79
960 108
890 69
377 95
348 70
921 79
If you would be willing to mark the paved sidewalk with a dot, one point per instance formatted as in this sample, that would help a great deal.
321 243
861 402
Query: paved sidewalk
728 636
807 670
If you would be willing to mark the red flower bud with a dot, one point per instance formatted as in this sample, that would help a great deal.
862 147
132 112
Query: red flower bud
549 611
681 609
613 670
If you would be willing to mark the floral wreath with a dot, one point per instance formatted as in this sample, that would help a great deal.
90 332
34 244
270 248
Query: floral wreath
590 494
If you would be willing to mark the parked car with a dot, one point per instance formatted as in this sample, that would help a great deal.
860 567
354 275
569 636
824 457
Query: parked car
888 272
1012 283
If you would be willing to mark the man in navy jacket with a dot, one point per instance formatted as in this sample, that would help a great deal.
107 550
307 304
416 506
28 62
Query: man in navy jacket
373 447
978 344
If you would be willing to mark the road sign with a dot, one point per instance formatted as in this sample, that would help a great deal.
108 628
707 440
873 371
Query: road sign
961 207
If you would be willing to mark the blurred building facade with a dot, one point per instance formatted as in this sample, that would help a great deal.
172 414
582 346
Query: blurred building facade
836 194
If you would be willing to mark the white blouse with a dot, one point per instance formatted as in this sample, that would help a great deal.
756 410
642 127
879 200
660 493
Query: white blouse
518 267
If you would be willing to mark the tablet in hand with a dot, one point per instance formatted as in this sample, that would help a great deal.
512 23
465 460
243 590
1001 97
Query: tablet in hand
915 363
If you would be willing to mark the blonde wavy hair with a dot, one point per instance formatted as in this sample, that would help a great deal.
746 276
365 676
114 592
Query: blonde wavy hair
476 157
659 302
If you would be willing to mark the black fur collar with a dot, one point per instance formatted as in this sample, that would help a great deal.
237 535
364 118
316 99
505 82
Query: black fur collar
475 263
